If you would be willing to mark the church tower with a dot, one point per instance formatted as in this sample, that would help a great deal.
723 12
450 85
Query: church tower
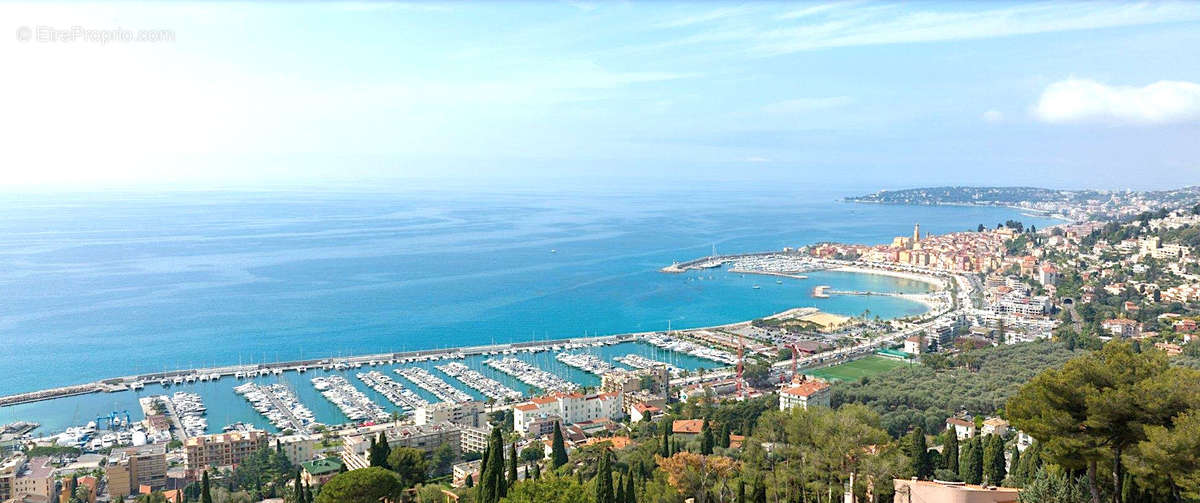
916 233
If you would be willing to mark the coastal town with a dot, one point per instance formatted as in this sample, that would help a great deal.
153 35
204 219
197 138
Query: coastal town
1078 284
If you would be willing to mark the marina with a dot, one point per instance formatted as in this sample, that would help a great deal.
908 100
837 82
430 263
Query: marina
279 405
489 387
641 362
427 381
352 402
395 392
189 409
670 343
585 362
531 375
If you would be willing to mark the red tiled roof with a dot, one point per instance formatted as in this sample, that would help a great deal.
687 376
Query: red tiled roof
807 388
687 426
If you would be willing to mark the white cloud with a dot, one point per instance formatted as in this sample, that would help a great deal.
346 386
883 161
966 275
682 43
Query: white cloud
800 105
993 116
1081 100
758 159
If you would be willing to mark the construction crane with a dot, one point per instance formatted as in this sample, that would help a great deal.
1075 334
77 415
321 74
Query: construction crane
113 419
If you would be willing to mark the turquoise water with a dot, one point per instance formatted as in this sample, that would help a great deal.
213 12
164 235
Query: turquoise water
119 284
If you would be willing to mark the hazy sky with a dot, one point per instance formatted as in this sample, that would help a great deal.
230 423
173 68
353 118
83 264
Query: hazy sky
1054 94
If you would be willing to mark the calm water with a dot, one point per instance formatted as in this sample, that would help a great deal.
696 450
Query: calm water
113 285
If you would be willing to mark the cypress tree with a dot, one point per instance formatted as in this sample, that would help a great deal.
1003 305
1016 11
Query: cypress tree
919 454
741 494
558 449
1014 461
604 483
706 438
512 464
205 495
299 488
630 497
499 487
666 440
379 451
470 482
975 465
760 492
951 451
619 491
964 459
308 497
723 438
994 460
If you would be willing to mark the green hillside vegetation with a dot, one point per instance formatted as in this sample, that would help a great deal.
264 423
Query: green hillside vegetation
979 381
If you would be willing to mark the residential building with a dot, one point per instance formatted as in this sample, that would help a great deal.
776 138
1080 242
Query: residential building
655 379
224 449
424 437
931 491
298 448
804 394
687 428
1122 327
319 471
471 413
642 411
36 479
994 426
129 469
914 345
570 407
474 439
963 428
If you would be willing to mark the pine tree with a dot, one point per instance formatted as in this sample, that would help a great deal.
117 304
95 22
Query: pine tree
558 449
604 483
205 494
512 464
706 438
919 454
950 450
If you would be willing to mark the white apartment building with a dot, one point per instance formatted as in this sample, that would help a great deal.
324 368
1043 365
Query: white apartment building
470 413
569 407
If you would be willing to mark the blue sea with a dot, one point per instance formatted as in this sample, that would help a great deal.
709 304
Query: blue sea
119 283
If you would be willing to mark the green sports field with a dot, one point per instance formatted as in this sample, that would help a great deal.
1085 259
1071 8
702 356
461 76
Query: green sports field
853 371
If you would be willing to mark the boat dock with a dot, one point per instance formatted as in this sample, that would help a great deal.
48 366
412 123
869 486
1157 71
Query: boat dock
489 387
433 384
127 383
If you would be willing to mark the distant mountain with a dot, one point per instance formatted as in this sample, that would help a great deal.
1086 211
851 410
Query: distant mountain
1018 195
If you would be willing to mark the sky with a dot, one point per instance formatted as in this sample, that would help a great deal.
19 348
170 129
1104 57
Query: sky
223 94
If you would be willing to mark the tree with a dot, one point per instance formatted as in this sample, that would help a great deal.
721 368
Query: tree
368 485
409 465
950 450
1014 461
665 450
706 438
723 437
971 462
512 464
993 460
470 482
378 452
534 453
441 460
619 491
604 482
630 495
558 448
1054 488
205 489
551 489
298 490
695 475
492 486
1098 407
1171 456
919 454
